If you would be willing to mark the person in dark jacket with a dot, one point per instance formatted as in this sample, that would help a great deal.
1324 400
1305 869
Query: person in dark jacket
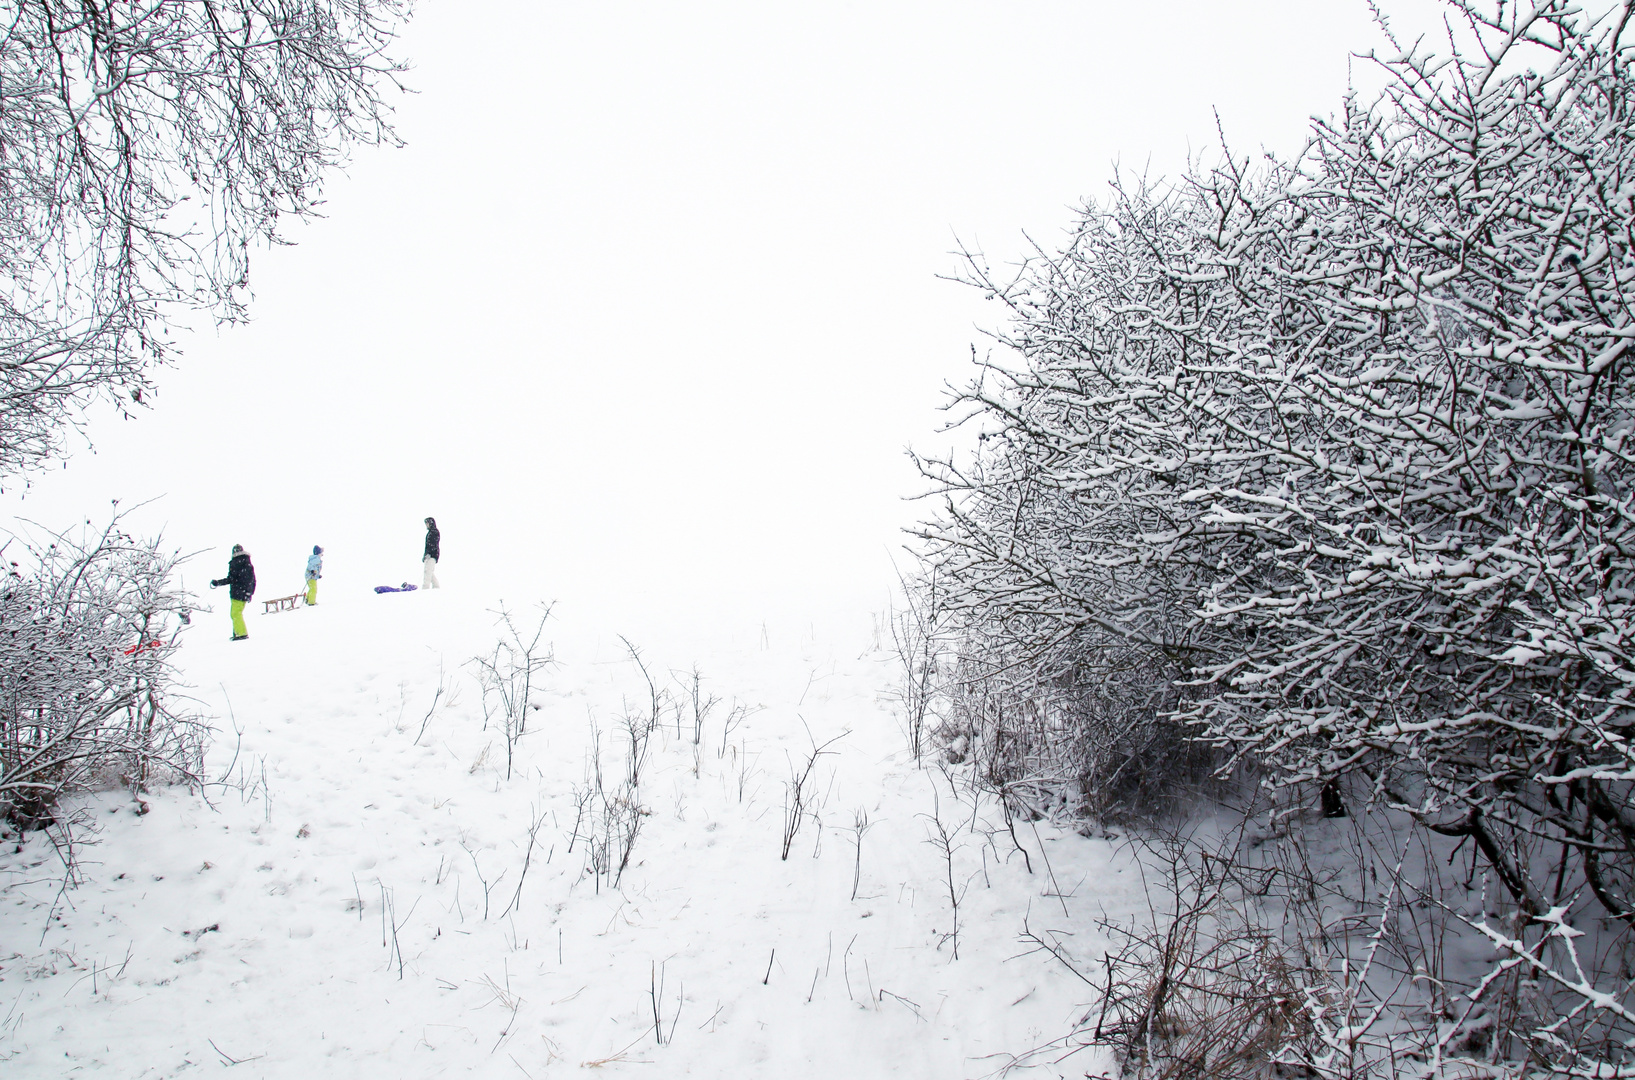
240 582
434 551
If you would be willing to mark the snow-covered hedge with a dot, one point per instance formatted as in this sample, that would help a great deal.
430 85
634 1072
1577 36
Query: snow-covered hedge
1329 461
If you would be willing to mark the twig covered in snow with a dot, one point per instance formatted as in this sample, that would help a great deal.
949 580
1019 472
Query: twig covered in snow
940 839
860 825
507 676
797 792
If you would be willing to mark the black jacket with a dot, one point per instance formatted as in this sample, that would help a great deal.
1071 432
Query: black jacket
240 577
433 543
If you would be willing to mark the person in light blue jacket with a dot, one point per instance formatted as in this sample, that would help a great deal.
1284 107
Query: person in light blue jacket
315 570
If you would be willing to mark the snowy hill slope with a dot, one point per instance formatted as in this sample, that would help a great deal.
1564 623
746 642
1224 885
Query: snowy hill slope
357 897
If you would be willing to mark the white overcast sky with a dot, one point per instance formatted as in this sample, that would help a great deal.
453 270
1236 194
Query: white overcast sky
648 309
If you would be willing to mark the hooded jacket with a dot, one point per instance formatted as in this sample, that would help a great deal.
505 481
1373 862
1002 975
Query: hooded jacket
240 577
433 542
315 565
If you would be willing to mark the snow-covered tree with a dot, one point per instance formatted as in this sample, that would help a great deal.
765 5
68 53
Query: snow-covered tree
143 149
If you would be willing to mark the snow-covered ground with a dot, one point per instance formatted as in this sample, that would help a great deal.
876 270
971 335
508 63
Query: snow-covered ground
357 897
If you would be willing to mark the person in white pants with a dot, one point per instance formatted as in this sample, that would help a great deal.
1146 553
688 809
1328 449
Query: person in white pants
434 549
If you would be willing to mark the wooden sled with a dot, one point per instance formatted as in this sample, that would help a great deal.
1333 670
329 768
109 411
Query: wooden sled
284 603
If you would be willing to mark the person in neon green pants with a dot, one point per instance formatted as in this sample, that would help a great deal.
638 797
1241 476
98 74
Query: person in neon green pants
240 582
315 570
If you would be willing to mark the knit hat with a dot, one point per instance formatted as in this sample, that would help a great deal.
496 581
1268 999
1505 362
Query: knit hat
316 550
238 549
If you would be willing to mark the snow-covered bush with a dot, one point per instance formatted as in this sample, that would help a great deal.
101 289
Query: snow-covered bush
88 695
1414 430
1332 453
1329 460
